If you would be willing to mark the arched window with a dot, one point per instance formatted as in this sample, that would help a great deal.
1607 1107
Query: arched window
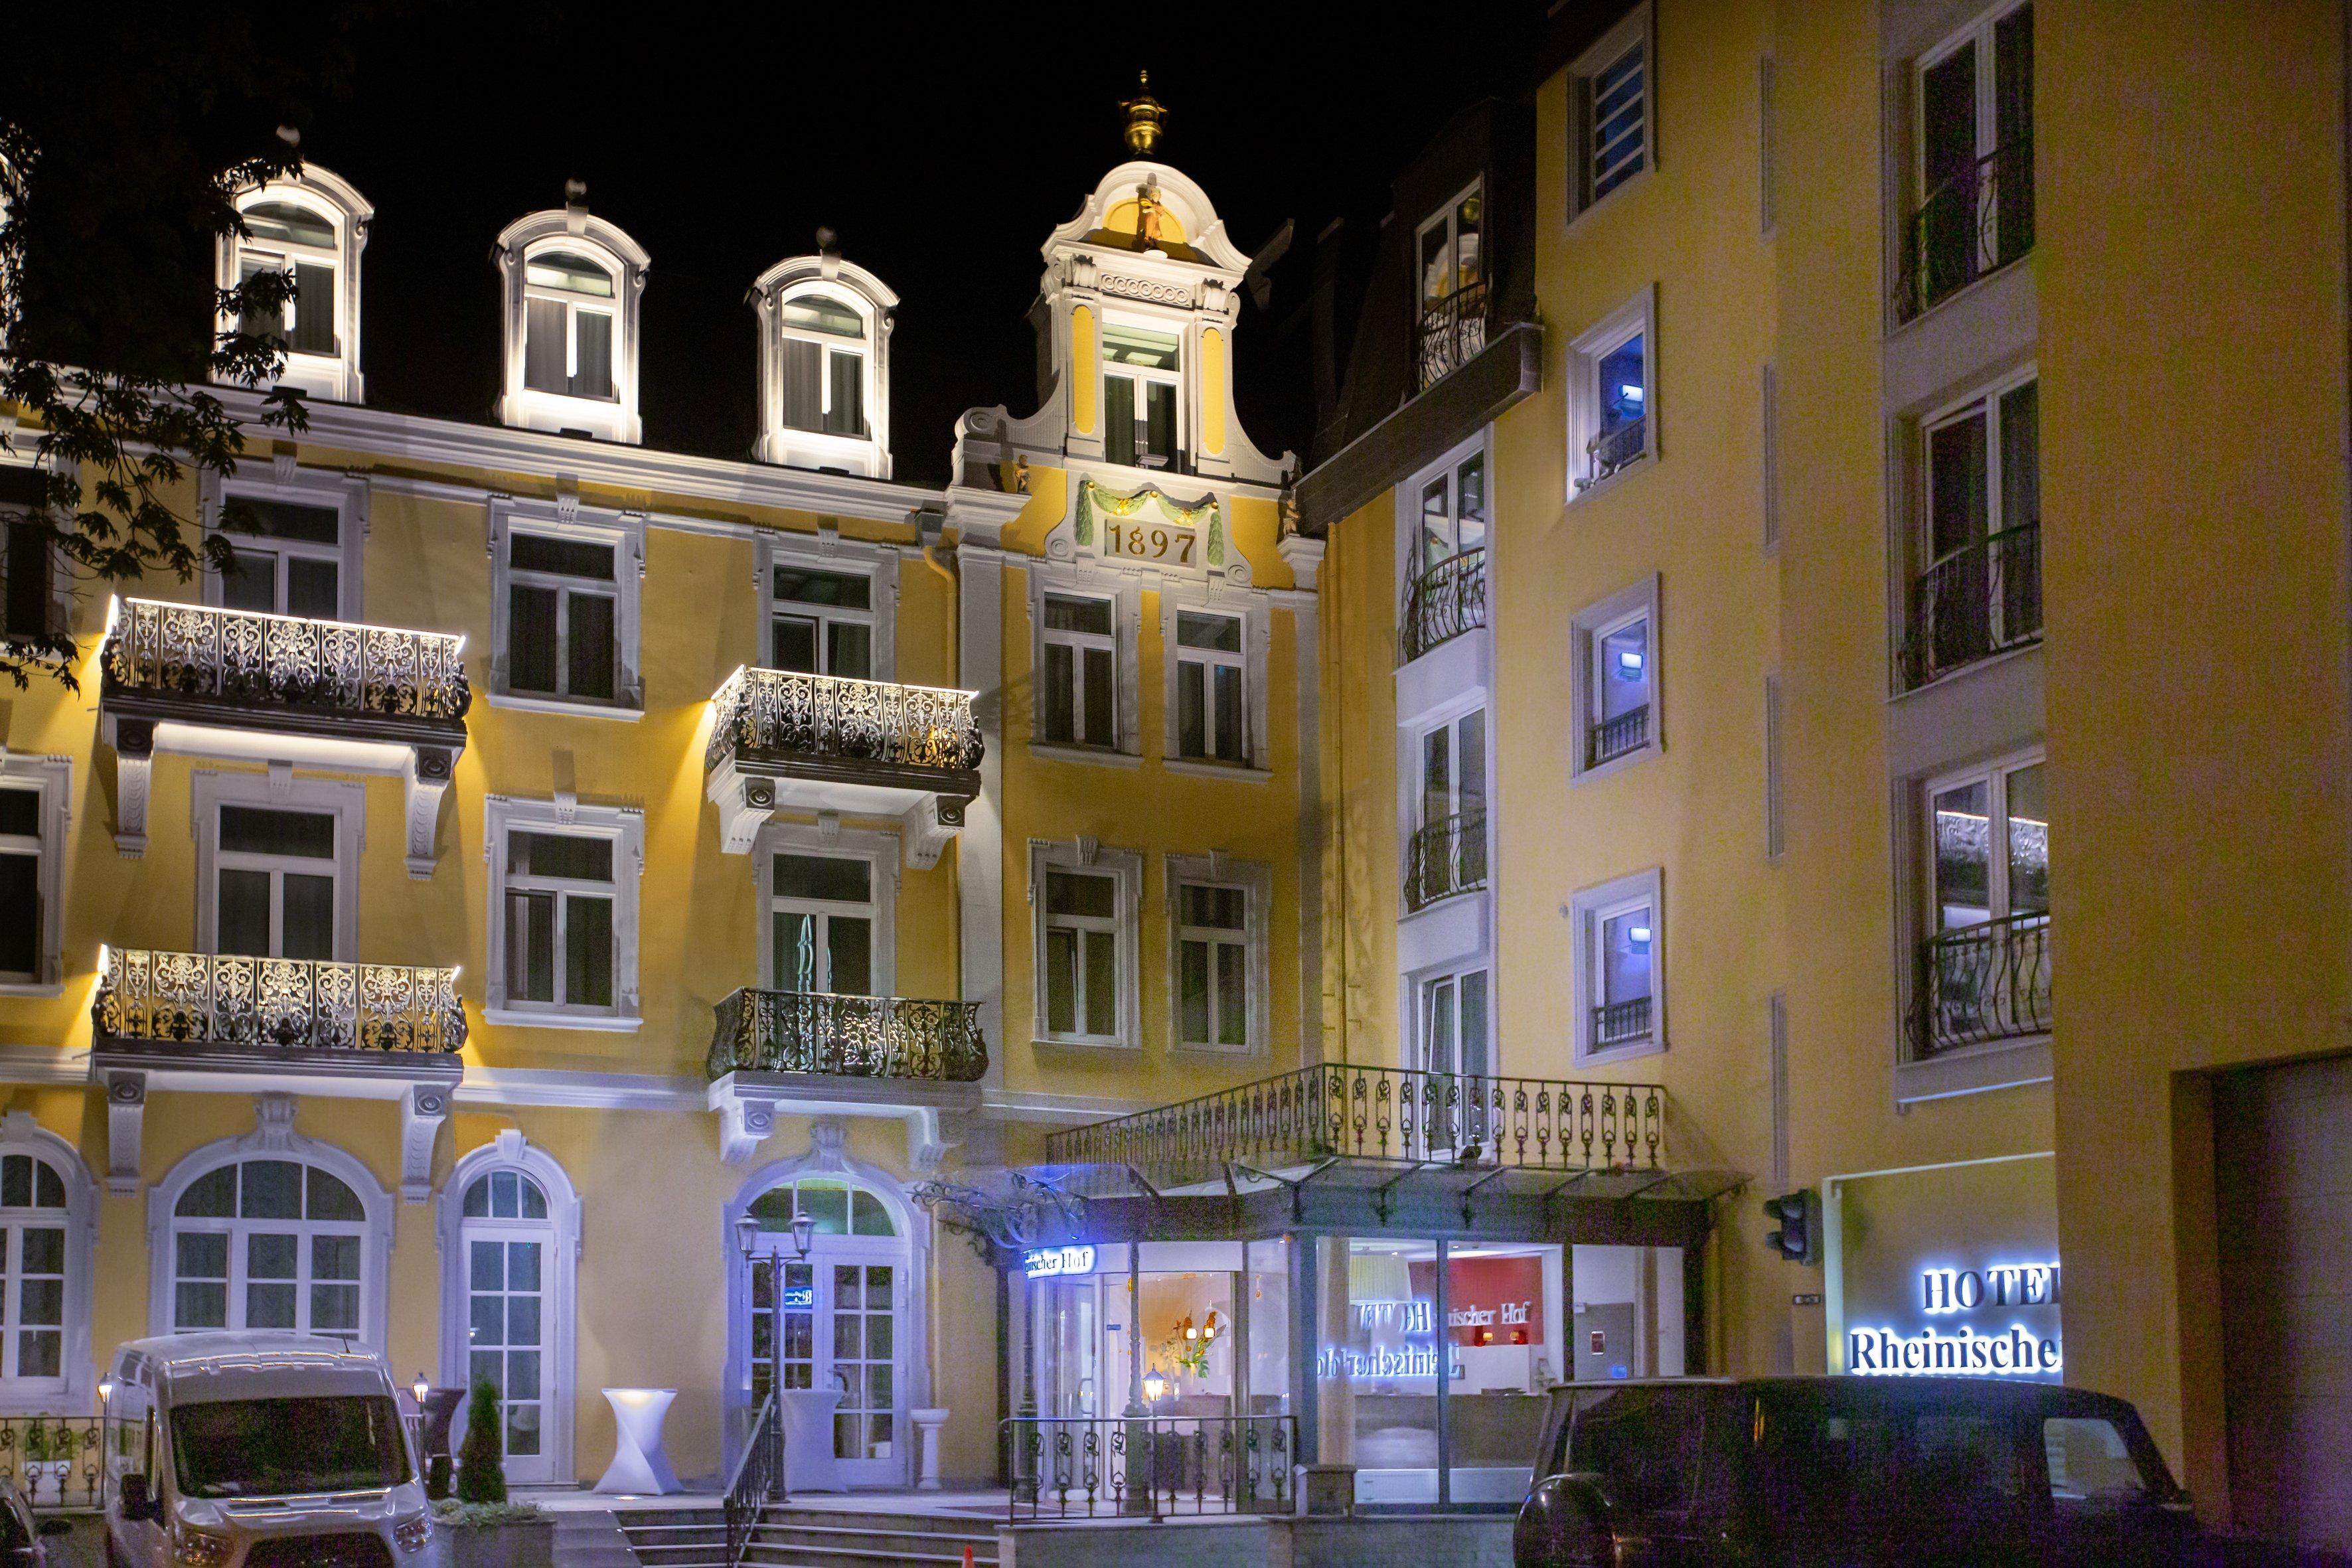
824 368
572 284
568 325
510 1244
313 226
823 354
270 1243
33 1221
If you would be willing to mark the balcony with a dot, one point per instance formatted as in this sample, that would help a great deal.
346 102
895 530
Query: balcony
1975 603
198 680
1449 334
1445 857
1969 226
1443 603
812 1050
1982 983
779 738
1613 738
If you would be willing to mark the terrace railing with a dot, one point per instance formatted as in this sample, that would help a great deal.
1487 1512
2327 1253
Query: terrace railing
1970 225
1974 602
1451 332
1613 449
1445 857
1088 1466
833 718
1443 603
1981 983
288 1004
58 1461
246 657
850 1036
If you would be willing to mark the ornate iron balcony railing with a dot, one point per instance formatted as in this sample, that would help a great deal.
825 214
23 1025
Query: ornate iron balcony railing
1982 983
1973 604
1451 332
1620 1023
288 1004
1613 738
850 1036
1613 449
1444 858
1971 224
1443 603
1381 1113
245 657
1152 1465
781 711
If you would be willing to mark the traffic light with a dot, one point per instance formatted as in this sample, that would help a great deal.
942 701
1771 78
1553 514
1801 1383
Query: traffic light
1798 1239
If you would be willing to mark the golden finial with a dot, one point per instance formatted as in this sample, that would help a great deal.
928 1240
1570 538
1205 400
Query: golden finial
1145 118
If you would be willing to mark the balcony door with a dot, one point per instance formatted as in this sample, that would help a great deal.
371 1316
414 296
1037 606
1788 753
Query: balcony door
821 920
1448 851
275 877
1985 969
287 558
820 623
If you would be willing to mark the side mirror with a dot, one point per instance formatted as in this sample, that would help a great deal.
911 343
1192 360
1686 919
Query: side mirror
1565 1523
137 1502
55 1526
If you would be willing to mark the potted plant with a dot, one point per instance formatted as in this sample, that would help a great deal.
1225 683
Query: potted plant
49 1449
481 1529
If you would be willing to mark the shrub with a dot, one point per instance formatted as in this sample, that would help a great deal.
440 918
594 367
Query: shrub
481 1461
451 1514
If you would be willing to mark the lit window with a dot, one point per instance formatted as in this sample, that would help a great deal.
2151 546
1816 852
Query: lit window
1453 1025
823 365
1080 702
1616 678
567 325
312 227
1610 112
1618 974
1984 966
1612 409
570 312
1210 720
1142 377
563 900
284 237
824 382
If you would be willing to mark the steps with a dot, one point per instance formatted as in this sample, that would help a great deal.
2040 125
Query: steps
591 1537
676 1537
790 1537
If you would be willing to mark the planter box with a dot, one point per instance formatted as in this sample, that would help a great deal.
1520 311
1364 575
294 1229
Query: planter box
497 1545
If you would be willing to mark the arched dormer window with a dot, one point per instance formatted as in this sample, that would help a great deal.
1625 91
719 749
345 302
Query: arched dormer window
313 226
570 286
824 382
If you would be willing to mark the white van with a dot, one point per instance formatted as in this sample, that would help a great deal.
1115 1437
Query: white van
258 1450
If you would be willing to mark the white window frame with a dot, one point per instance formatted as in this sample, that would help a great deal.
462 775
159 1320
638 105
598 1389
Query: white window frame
72 1389
1612 331
1125 866
575 230
1588 909
880 849
1421 991
1125 598
1632 32
625 826
1993 773
345 801
347 494
1255 881
1447 472
1979 32
625 533
575 305
321 192
1257 633
509 1151
51 778
1983 401
1445 218
830 344
1586 629
1178 327
827 552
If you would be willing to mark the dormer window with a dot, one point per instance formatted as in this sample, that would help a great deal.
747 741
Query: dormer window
824 352
571 282
824 369
567 326
1142 376
284 237
313 226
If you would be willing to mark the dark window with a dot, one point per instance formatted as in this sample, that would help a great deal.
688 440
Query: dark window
1642 1442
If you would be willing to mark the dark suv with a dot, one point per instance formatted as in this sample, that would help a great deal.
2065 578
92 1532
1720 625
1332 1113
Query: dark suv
1856 1473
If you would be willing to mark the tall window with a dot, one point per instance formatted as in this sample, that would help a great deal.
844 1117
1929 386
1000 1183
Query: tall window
563 607
1984 971
839 1325
268 1244
283 236
1142 377
821 924
1210 721
1980 587
823 365
822 623
1617 967
568 320
1452 513
274 876
1081 681
560 898
1082 966
31 602
1975 170
1453 1025
23 919
1213 966
1609 112
1618 722
1450 260
1612 405
287 557
1447 852
33 1222
508 1241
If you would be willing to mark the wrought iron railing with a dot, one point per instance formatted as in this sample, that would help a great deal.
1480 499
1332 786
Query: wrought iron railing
757 1480
1451 332
1973 224
1444 858
1973 604
1086 1467
284 661
1620 1023
1613 449
1443 603
854 1036
1613 738
1383 1113
856 721
58 1461
291 1004
1982 983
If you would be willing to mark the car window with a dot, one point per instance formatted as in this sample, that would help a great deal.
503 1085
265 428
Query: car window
1642 1442
1830 1470
2090 1464
14 1534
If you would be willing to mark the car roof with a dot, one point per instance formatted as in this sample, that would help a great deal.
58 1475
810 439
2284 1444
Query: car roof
1983 1392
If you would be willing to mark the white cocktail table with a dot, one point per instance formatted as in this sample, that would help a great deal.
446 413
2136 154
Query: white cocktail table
808 1464
639 1466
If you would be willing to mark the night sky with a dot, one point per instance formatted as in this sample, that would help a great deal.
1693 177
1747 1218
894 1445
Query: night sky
943 148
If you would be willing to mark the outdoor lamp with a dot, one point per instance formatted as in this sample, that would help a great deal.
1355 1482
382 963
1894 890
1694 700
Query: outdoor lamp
803 1231
746 1230
105 1391
1154 1385
420 1388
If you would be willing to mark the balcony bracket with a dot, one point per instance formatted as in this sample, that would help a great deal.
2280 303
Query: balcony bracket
930 823
134 768
938 1116
423 782
422 1112
745 801
126 1112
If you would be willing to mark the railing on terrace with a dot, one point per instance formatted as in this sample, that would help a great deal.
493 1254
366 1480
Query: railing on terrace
1613 449
1443 603
284 661
1445 857
1381 1113
853 1037
292 1004
1620 1023
856 720
1982 983
758 1477
1451 332
58 1461
1975 603
1613 738
1973 224
1086 1467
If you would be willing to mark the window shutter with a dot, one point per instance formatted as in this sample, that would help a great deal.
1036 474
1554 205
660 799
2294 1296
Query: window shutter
804 364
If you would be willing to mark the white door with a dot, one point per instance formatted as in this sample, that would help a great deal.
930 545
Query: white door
839 1323
507 1248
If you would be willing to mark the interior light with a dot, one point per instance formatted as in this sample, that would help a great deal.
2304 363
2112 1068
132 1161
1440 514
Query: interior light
1628 665
1640 935
1630 393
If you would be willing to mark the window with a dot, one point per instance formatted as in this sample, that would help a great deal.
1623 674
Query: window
564 613
1453 1026
825 384
821 924
1609 113
285 236
824 364
1085 901
34 791
287 557
1081 671
311 225
820 623
1142 382
33 1231
1618 976
1979 591
1985 968
568 323
569 315
1218 958
506 1239
1447 852
278 869
1452 513
32 598
1974 131
2092 1470
564 913
1446 557
1612 417
1616 677
268 1244
1452 308
1211 722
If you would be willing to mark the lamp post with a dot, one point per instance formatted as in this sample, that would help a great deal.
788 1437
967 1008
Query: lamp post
747 1237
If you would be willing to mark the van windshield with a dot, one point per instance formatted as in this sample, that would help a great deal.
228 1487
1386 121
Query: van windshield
279 1448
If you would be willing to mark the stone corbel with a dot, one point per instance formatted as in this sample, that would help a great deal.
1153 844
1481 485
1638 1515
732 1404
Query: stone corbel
744 804
421 1116
126 1111
426 781
134 769
930 822
745 1122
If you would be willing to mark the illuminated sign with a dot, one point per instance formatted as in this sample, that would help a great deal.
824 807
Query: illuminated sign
800 1297
1045 1262
2005 1349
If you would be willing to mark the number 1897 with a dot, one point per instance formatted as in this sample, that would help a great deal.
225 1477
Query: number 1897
1149 544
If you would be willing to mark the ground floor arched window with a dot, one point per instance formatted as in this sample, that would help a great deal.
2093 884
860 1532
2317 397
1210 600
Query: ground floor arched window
510 1244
